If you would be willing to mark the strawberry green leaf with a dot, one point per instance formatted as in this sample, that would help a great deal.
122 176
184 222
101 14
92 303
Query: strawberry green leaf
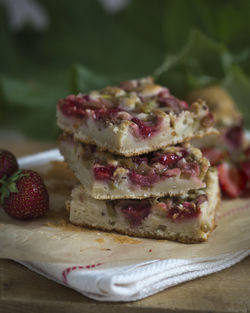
9 184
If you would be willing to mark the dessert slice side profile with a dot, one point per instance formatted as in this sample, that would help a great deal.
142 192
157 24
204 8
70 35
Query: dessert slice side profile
188 218
170 171
136 117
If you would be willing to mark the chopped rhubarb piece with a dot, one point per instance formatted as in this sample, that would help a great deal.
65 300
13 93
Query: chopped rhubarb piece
200 199
146 129
172 172
190 169
167 100
143 180
214 155
232 180
184 210
171 158
136 211
104 172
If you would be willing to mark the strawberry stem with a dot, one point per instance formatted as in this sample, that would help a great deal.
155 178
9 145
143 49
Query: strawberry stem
8 184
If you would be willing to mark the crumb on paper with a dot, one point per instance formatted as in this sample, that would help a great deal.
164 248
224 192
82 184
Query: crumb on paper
67 226
123 239
100 240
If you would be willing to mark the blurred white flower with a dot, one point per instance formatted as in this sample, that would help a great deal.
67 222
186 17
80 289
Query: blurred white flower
23 12
114 6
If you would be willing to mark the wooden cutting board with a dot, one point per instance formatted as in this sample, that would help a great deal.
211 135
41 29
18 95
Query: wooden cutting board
24 291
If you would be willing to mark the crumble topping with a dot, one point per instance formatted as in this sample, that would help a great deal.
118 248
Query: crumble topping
138 101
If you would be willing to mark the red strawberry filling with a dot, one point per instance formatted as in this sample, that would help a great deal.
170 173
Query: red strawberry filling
184 210
105 113
167 100
145 129
73 106
104 172
233 137
136 211
143 180
169 159
146 170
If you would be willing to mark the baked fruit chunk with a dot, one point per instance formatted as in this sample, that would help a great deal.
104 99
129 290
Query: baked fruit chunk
188 218
136 117
170 171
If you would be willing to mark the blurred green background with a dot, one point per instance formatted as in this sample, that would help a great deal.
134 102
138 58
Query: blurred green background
51 48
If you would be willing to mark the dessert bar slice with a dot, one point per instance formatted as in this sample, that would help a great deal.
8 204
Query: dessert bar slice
170 171
136 117
188 218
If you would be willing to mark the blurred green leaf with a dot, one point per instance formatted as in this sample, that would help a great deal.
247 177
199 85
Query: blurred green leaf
83 80
29 108
200 62
237 84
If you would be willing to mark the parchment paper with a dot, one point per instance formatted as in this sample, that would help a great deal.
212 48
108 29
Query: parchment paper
54 239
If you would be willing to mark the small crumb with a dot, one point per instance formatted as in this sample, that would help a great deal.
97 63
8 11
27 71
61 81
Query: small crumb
100 240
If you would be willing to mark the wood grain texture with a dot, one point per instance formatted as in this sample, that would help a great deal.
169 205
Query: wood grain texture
23 291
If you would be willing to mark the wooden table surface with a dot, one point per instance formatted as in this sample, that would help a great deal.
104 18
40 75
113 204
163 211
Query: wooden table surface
24 291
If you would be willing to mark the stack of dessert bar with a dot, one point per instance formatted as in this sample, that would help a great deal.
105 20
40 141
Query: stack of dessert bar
128 147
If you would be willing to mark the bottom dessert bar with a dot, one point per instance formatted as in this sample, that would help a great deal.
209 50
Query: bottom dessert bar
187 218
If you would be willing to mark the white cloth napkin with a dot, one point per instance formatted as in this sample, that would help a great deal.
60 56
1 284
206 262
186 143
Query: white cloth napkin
132 282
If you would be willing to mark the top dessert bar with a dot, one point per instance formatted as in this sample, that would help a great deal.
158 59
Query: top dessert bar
135 117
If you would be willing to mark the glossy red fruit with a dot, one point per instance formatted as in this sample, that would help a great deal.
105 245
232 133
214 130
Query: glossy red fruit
72 106
136 211
104 172
214 155
247 152
145 129
143 180
8 163
245 167
24 195
170 158
233 137
232 180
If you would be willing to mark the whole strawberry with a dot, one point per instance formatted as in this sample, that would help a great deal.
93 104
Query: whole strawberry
24 195
8 163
